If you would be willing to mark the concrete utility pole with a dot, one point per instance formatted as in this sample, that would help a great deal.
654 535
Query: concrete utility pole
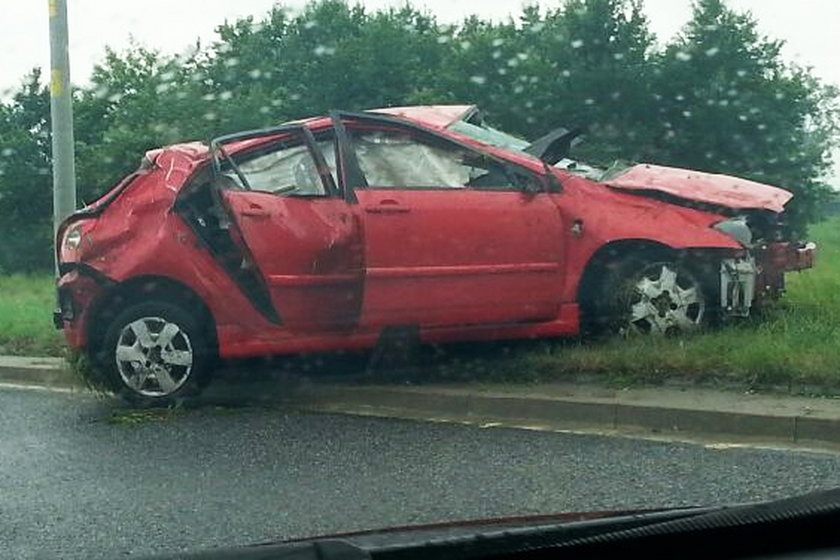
61 110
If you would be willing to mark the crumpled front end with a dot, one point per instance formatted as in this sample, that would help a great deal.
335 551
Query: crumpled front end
754 210
774 260
758 277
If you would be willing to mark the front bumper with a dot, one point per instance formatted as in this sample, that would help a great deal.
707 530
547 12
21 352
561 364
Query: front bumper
789 257
774 260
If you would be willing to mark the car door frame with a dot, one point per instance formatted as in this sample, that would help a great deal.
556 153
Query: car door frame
355 179
260 289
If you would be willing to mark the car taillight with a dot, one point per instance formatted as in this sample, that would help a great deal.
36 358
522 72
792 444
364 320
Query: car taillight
75 237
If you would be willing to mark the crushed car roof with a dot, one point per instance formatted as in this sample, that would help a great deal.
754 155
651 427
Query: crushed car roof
435 116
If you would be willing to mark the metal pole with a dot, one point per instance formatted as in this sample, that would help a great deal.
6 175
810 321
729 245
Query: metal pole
61 111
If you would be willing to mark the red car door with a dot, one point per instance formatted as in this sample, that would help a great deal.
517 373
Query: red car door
304 238
451 237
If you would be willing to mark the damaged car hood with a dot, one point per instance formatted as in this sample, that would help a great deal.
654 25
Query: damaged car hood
721 190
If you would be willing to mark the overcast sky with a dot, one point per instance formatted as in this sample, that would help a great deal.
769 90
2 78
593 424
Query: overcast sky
807 26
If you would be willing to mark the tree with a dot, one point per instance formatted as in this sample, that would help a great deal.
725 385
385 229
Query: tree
728 103
25 183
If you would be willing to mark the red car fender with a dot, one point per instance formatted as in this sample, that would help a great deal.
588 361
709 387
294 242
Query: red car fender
142 237
596 217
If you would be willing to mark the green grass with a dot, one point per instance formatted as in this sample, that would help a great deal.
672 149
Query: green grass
796 342
26 306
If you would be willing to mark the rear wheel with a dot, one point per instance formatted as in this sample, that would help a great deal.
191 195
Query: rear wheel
154 354
656 296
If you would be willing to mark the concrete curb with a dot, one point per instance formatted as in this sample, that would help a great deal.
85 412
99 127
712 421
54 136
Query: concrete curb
576 414
652 411
44 372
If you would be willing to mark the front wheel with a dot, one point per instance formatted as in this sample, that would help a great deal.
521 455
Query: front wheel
657 297
154 353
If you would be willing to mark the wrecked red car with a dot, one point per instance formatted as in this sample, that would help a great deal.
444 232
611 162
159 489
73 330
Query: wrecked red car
324 234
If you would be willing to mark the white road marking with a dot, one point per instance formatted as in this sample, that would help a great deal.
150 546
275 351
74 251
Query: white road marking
42 388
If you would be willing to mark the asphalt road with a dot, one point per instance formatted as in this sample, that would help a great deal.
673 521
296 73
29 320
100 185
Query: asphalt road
78 481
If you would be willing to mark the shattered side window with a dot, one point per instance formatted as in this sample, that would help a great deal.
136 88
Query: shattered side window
394 159
489 136
288 171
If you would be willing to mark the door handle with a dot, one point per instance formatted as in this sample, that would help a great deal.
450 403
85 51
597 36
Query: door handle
387 206
255 211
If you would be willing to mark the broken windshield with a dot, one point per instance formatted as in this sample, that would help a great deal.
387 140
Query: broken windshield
496 138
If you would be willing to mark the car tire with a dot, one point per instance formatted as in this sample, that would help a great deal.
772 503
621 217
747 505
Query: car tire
154 354
656 295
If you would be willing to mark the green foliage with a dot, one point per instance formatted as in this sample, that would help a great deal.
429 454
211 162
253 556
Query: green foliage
728 103
718 97
26 306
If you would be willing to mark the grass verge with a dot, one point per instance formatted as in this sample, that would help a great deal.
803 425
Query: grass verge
26 306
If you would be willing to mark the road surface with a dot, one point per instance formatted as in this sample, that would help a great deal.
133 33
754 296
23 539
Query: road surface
80 478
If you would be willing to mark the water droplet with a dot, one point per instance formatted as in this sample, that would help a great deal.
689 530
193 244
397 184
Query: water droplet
683 56
322 50
712 51
480 80
577 43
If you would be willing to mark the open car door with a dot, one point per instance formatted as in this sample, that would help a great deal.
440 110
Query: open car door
304 239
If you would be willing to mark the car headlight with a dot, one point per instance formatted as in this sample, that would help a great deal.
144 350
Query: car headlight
737 229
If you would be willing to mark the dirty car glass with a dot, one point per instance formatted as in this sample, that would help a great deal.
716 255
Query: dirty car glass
289 170
393 159
341 293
